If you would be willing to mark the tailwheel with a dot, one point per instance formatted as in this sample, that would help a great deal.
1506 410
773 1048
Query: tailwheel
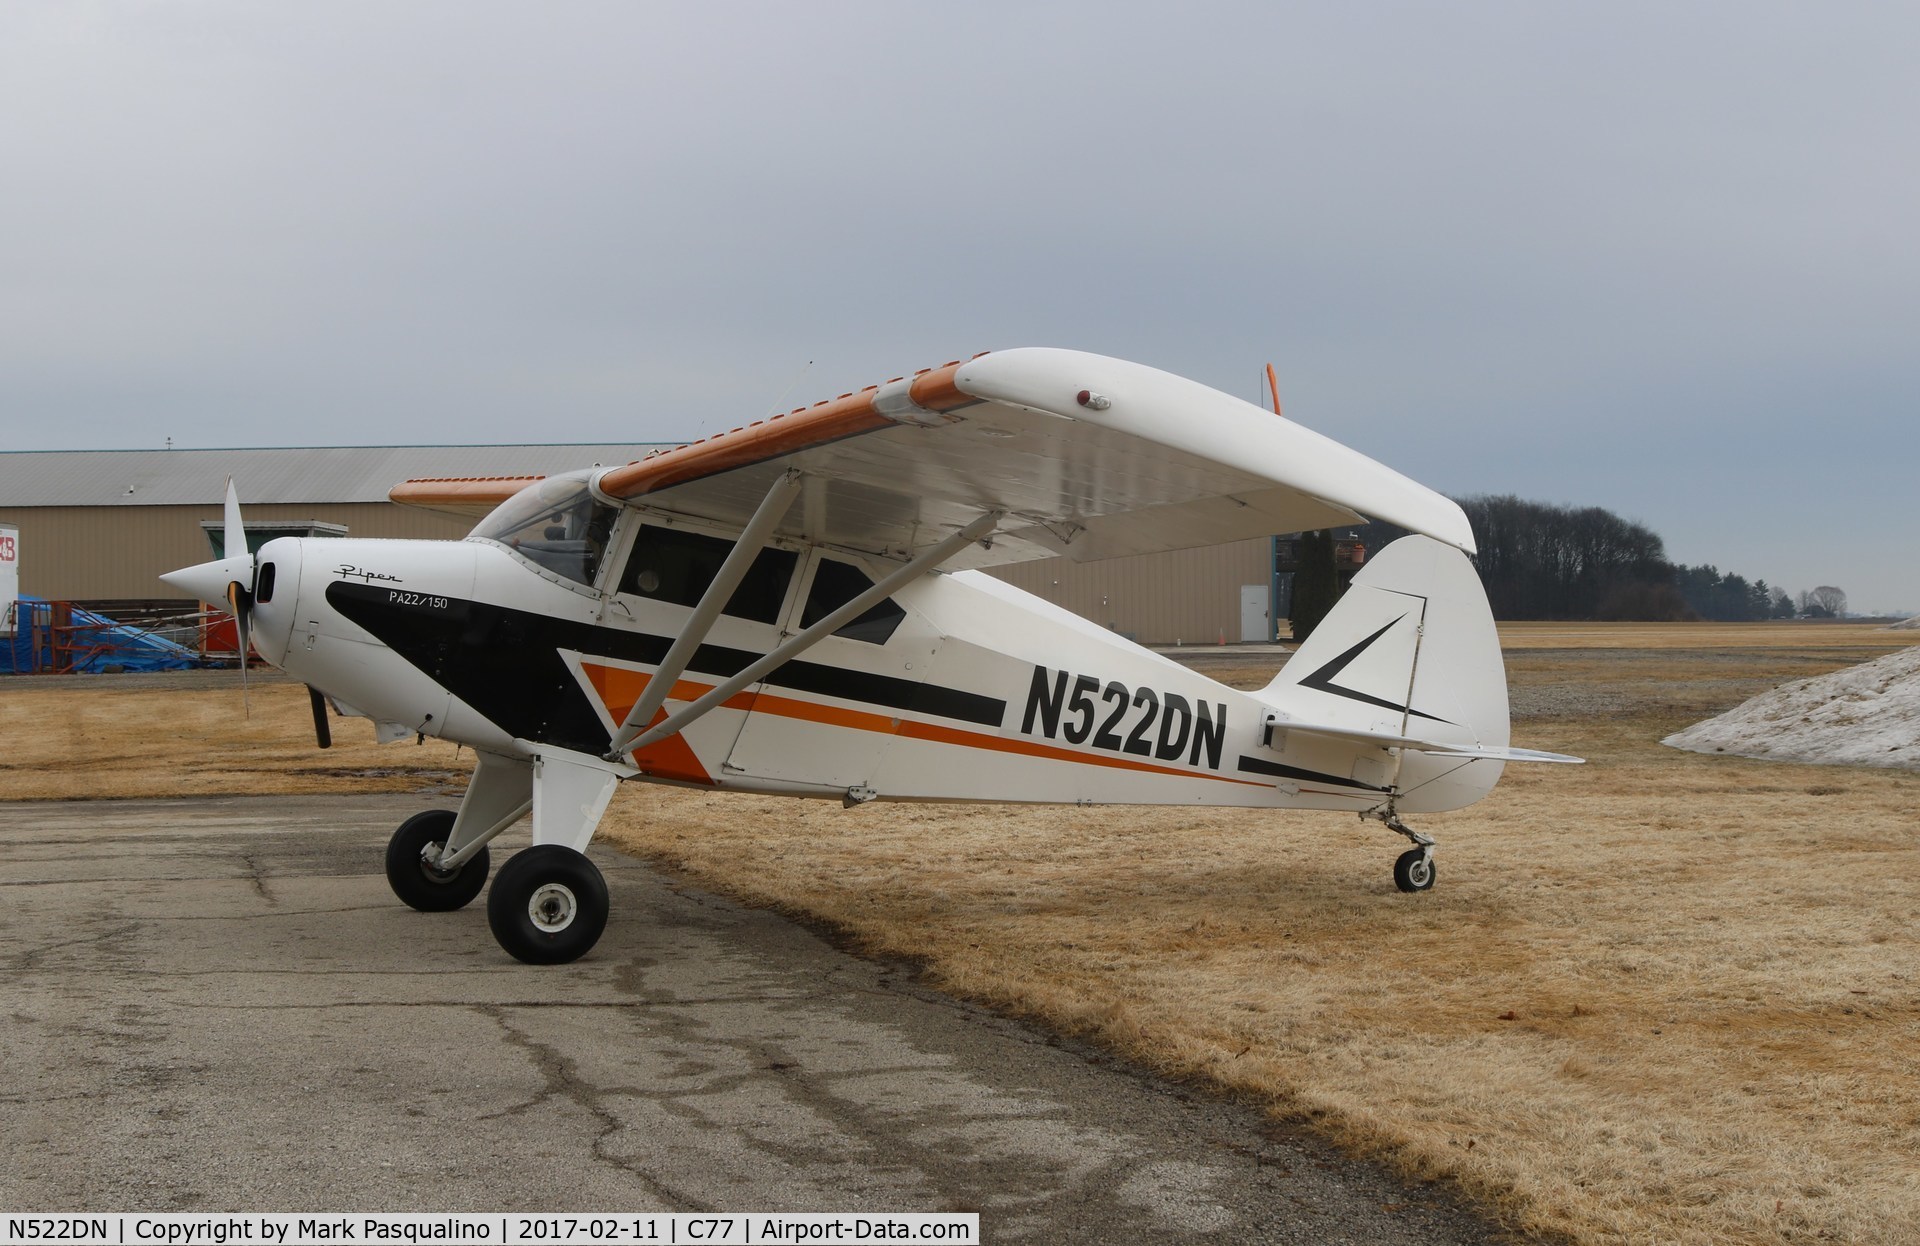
1414 870
421 884
548 905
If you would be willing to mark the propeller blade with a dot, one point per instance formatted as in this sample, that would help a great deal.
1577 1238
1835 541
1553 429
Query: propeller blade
233 533
322 729
241 603
208 581
233 540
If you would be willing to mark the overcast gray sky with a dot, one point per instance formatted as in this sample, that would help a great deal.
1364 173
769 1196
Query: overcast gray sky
1660 258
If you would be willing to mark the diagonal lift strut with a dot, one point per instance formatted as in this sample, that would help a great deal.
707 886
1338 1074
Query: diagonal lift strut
753 539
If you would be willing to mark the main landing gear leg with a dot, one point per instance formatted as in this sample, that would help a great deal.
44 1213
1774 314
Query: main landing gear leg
1414 870
549 903
437 860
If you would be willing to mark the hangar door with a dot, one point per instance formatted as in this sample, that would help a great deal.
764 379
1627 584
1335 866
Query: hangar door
1254 624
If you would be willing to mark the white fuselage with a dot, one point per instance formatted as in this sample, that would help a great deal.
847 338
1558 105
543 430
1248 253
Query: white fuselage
976 690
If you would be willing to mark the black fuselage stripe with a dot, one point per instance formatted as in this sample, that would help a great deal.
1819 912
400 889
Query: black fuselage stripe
1257 765
838 681
506 664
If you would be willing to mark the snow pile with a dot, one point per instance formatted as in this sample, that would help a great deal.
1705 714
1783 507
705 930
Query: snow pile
1866 715
1905 625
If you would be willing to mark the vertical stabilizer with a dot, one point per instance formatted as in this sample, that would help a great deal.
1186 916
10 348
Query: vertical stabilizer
1410 650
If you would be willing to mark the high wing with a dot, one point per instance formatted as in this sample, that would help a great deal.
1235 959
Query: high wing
1081 455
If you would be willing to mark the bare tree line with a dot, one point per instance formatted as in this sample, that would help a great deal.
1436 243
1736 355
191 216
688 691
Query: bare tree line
1540 561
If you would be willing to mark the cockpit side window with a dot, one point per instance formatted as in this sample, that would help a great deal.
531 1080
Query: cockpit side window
556 523
837 583
670 564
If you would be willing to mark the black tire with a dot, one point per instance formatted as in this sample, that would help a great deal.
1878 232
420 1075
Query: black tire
1413 871
548 906
424 888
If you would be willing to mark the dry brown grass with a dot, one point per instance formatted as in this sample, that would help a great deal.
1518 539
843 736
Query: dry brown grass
1660 997
78 737
1795 636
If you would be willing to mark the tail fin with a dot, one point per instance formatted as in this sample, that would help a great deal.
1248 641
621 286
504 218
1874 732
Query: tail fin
1408 660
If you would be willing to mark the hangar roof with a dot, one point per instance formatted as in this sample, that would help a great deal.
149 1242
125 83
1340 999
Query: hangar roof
315 474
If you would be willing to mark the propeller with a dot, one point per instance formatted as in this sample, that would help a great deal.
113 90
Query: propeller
229 578
234 578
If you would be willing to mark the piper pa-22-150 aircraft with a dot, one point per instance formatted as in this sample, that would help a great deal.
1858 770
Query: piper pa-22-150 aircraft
794 607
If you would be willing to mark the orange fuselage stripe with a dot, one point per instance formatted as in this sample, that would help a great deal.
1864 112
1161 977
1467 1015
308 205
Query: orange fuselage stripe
615 684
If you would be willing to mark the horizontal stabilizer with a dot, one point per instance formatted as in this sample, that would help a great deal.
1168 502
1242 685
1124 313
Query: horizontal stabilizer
1505 754
1434 748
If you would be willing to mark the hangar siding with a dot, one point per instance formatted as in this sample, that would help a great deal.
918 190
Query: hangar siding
116 553
99 553
1191 596
102 525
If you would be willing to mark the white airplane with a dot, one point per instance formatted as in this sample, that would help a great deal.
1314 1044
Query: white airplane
794 607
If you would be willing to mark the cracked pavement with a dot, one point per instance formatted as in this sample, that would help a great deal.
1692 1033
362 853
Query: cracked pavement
218 1005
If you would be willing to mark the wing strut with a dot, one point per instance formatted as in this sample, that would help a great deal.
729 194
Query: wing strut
794 647
753 538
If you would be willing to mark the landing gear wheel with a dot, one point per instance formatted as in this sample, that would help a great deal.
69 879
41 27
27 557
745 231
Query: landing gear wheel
548 906
1414 870
421 885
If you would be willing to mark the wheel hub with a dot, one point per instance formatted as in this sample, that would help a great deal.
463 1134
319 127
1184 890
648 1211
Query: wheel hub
431 867
552 907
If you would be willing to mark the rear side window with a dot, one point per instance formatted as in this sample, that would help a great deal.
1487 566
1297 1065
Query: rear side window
837 583
668 564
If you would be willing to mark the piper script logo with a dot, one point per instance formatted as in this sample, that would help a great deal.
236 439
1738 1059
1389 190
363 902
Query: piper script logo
347 571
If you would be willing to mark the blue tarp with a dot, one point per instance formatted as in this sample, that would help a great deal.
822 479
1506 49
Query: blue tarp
97 644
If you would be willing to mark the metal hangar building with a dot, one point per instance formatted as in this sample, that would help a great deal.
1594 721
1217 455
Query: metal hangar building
99 526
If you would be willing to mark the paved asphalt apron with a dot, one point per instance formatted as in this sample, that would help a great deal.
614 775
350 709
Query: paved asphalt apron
218 1005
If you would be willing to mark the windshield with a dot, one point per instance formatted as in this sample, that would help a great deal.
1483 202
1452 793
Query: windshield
555 522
